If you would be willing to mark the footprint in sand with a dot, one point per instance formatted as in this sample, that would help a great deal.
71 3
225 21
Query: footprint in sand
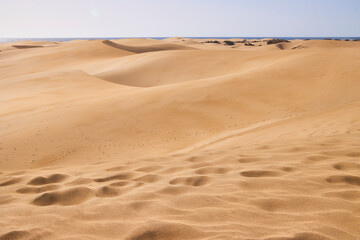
120 176
191 181
348 179
54 178
35 190
346 166
10 182
72 196
260 173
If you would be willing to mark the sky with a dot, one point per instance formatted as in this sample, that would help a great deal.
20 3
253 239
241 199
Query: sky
183 18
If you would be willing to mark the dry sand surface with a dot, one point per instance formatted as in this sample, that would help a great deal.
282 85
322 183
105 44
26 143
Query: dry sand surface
174 139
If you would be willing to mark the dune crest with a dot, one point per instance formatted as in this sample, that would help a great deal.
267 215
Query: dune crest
147 48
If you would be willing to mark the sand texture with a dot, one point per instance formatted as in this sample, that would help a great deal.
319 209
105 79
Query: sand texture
176 139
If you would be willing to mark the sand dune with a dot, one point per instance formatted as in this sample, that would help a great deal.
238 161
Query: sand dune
146 48
180 139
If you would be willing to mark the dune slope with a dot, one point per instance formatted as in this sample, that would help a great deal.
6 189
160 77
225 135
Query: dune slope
145 139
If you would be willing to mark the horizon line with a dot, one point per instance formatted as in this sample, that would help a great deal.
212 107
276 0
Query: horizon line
199 37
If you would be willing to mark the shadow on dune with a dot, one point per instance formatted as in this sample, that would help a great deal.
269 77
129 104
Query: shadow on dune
26 46
144 49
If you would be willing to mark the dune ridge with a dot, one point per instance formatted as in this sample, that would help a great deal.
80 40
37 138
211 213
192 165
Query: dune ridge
180 139
146 48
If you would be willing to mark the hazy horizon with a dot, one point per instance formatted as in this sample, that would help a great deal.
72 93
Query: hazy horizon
160 18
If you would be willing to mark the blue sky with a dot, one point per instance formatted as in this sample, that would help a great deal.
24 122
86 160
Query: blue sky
187 18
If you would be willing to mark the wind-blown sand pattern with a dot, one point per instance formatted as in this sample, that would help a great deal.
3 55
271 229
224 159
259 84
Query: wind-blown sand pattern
176 139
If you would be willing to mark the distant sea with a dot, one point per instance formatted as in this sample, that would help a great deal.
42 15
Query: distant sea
3 40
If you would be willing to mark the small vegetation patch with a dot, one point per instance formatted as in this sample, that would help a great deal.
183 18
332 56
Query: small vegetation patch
217 42
249 44
230 43
275 40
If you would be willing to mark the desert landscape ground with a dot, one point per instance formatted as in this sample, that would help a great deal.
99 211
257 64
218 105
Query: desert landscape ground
180 138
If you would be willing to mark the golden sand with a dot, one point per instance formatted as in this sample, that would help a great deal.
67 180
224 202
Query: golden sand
179 139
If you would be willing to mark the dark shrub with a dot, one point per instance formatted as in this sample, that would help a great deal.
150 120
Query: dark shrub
217 42
230 43
249 44
274 41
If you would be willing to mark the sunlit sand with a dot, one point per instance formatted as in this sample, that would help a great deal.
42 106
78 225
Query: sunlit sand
180 139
